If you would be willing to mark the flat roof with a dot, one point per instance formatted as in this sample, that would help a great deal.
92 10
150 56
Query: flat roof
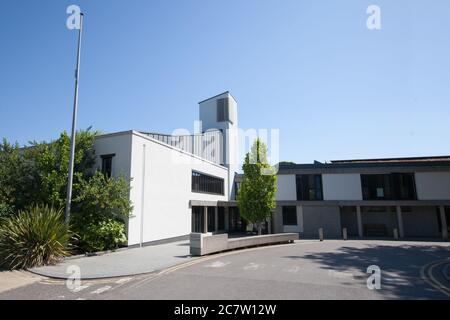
434 161
385 160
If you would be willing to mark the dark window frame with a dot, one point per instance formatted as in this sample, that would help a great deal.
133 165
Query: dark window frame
223 110
304 187
206 183
289 221
106 168
396 186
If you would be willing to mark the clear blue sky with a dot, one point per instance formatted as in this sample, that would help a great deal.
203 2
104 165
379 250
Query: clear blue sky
310 68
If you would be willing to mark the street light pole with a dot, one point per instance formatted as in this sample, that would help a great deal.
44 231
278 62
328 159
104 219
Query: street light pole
74 124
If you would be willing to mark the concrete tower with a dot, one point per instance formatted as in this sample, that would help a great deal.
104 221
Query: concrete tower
220 112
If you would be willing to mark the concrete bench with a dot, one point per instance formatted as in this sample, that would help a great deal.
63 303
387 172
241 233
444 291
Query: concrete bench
207 243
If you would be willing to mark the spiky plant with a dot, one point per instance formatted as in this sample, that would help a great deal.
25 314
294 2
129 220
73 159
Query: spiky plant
34 237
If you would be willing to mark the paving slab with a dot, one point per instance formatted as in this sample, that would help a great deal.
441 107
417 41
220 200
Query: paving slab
121 263
14 279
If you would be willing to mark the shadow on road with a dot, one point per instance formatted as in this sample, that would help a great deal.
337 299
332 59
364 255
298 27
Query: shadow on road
400 266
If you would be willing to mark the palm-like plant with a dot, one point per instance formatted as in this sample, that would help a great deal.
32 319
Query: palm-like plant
34 237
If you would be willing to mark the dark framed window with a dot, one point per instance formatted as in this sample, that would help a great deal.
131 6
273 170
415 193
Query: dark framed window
211 219
235 222
223 110
404 186
447 218
221 218
289 215
204 183
309 187
107 164
197 219
394 186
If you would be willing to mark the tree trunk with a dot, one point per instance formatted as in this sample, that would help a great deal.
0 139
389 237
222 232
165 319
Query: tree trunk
259 228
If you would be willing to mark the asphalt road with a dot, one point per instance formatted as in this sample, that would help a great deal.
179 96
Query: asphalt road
304 270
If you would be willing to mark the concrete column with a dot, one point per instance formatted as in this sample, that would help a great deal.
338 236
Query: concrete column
216 219
443 223
359 220
400 222
205 219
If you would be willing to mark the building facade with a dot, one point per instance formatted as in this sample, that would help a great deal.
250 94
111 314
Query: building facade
370 198
188 183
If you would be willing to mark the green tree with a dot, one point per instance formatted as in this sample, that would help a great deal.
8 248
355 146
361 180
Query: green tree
16 186
256 196
51 165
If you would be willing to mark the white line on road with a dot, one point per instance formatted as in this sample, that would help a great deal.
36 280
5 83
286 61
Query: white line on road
217 264
80 288
101 290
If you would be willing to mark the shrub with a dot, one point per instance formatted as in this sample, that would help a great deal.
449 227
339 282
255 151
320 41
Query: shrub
100 235
98 212
34 237
5 210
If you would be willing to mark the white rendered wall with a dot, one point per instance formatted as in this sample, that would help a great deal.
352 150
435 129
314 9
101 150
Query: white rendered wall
118 144
286 187
165 189
341 187
433 185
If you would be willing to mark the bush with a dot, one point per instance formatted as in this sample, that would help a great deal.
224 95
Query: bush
98 212
34 237
5 210
99 235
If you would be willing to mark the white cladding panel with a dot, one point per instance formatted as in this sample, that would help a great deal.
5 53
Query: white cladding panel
167 190
433 185
286 188
341 186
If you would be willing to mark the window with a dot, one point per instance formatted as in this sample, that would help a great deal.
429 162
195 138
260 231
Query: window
223 110
290 216
404 186
107 164
309 187
204 183
211 219
221 218
197 219
395 186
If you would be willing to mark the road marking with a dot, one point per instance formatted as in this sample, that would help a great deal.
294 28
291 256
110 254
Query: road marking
426 273
217 264
79 288
101 290
253 266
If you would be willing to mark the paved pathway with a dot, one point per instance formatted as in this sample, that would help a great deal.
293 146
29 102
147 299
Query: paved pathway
122 263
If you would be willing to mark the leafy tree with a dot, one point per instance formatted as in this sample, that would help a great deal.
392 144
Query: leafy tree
51 165
38 173
16 187
256 196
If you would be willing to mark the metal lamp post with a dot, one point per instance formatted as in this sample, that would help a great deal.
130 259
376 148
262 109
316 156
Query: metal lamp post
74 122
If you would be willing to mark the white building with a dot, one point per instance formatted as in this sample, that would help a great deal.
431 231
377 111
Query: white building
185 183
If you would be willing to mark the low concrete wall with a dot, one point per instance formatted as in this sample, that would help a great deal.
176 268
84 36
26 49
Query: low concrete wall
206 243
